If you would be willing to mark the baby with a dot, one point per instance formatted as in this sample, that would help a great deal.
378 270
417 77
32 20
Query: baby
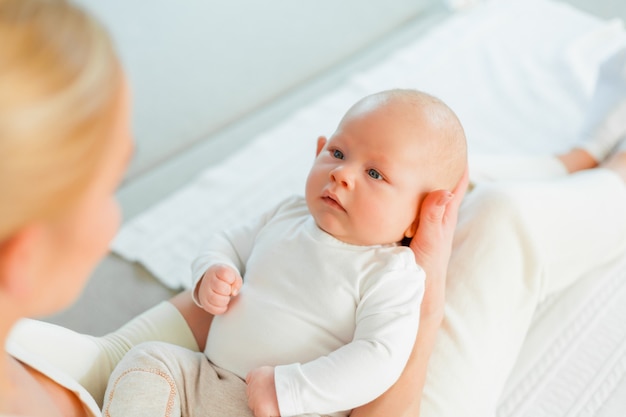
326 314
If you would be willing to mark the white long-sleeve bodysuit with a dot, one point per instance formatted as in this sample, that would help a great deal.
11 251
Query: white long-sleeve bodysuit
337 320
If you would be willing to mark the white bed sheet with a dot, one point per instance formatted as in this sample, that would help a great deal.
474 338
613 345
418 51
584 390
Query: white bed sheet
518 73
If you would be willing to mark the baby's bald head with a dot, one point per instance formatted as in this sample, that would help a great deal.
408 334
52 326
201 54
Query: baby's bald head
431 122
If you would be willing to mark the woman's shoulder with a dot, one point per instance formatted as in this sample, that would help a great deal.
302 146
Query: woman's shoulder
20 349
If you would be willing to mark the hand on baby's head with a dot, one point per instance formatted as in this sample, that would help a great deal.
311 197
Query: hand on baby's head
218 284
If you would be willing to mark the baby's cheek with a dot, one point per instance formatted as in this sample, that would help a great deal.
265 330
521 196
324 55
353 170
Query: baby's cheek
378 225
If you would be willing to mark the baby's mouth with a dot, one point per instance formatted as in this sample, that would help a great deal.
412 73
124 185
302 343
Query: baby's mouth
332 201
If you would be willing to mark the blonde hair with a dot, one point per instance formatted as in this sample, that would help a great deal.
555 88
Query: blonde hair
59 85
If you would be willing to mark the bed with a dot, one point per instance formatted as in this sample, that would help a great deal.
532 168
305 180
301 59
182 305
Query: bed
518 74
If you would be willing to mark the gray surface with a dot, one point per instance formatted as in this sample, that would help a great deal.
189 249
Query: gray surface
119 290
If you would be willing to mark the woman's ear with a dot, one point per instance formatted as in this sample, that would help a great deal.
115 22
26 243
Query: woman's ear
321 142
18 255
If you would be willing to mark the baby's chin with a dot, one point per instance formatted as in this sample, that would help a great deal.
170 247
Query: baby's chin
338 233
341 229
357 240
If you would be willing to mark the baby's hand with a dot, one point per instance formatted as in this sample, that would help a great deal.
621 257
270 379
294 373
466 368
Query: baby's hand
261 392
218 284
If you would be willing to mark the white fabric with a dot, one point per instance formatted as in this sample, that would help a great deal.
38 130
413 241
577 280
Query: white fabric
340 320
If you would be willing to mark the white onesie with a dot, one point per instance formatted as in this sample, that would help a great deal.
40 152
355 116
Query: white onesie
337 320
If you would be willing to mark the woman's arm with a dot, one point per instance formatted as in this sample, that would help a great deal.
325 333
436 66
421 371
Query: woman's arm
199 321
432 246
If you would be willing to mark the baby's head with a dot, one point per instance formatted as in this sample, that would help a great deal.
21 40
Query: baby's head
389 151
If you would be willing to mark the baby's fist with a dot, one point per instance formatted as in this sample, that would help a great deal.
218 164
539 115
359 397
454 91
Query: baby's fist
218 284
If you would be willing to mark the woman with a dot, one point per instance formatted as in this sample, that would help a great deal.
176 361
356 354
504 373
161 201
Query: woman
63 103
64 145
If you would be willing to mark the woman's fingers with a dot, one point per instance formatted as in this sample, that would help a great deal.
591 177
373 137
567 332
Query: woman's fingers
432 243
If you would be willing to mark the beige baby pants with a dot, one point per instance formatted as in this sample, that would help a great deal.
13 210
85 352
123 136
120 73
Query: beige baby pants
157 379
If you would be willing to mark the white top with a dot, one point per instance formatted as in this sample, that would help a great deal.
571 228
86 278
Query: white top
337 320
42 365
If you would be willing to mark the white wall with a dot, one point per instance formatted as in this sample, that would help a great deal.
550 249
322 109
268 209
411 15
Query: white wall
197 65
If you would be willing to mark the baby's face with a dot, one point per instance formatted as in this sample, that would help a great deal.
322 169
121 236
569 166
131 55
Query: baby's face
368 179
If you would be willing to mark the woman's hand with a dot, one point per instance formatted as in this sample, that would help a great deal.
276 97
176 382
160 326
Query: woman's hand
432 245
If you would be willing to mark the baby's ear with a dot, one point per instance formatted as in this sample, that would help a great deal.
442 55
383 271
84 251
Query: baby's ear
321 142
410 231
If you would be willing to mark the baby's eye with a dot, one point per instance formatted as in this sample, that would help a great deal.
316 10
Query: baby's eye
374 174
337 154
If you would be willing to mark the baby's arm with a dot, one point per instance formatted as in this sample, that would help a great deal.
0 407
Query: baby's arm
261 392
432 246
216 287
217 270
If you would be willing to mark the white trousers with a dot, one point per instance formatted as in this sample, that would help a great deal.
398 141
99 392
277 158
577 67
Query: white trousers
516 242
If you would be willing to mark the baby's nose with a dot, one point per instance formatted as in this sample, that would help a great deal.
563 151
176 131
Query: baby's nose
342 176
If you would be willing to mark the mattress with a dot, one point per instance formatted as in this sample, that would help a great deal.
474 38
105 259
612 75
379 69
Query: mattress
518 74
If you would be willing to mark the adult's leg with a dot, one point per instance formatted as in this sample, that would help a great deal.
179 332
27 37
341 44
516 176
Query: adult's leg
157 379
90 360
491 168
515 243
603 127
605 121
